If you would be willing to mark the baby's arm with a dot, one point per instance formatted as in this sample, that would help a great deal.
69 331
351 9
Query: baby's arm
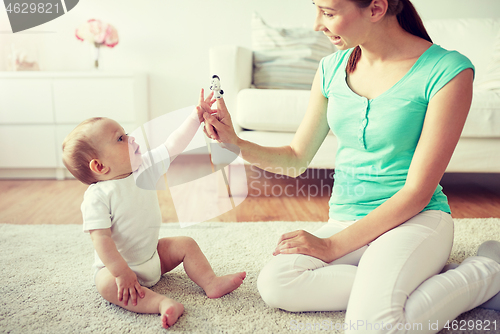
126 279
177 142
180 138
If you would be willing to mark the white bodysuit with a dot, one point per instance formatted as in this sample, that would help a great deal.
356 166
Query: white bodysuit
134 216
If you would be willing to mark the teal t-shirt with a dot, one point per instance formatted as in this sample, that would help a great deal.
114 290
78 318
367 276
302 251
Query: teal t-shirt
377 138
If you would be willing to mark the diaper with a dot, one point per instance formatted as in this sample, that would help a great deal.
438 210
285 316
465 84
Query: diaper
148 273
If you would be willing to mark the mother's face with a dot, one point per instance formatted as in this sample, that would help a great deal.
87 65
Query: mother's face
344 23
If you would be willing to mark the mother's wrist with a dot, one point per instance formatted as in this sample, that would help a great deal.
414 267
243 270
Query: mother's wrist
333 248
239 142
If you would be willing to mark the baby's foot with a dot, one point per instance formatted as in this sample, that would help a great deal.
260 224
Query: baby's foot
222 285
170 311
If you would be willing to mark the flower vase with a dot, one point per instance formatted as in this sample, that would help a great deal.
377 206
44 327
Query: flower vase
95 56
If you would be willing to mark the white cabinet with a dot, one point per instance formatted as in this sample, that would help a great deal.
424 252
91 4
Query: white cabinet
38 110
28 146
23 101
112 97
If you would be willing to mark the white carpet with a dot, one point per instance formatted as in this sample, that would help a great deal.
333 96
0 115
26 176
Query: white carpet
46 281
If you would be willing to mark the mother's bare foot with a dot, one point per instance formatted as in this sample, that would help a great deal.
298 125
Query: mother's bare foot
222 285
170 311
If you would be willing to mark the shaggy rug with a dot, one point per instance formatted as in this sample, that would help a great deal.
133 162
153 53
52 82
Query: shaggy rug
46 282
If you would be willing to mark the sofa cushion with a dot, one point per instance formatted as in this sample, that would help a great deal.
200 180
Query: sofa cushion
484 115
475 38
282 110
271 109
492 78
286 58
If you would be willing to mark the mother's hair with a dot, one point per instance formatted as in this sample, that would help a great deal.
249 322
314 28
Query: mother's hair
408 19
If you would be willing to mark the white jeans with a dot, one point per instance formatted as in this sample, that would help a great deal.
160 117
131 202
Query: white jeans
392 282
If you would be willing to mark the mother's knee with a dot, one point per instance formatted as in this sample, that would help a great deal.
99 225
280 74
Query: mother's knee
275 281
269 288
374 320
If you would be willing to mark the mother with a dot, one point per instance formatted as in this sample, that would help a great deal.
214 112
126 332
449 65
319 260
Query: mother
397 104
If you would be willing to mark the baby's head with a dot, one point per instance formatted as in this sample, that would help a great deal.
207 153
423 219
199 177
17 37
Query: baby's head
98 149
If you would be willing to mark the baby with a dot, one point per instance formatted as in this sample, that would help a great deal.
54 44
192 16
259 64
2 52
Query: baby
124 219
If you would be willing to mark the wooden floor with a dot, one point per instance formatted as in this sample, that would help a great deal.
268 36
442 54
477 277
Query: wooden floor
270 198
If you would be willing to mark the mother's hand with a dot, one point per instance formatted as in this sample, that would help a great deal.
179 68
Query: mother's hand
302 242
219 126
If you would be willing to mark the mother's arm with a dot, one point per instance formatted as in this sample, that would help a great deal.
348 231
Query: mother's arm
444 121
292 159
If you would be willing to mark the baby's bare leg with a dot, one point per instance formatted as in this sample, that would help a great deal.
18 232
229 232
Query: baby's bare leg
152 302
173 251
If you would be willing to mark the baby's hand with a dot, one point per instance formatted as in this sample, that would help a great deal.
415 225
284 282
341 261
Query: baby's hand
128 287
204 105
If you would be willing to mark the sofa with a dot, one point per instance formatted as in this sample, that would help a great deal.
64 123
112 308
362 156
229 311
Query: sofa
270 117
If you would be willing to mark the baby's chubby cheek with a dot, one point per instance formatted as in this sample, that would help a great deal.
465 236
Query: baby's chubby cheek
135 158
135 161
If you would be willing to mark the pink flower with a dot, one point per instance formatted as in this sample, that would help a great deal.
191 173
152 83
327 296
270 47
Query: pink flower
97 32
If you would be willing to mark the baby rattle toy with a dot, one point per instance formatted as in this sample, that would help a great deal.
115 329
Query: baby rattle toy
215 87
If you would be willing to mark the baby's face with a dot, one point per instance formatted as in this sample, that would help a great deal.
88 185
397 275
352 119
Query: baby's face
117 151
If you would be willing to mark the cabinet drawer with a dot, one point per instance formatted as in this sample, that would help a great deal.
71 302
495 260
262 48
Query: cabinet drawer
25 101
79 99
27 146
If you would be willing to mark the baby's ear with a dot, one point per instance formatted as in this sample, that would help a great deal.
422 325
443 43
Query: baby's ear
97 167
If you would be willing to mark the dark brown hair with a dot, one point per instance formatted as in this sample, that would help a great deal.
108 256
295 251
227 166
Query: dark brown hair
408 19
78 151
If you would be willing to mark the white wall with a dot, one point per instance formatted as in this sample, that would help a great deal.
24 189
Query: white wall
170 39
